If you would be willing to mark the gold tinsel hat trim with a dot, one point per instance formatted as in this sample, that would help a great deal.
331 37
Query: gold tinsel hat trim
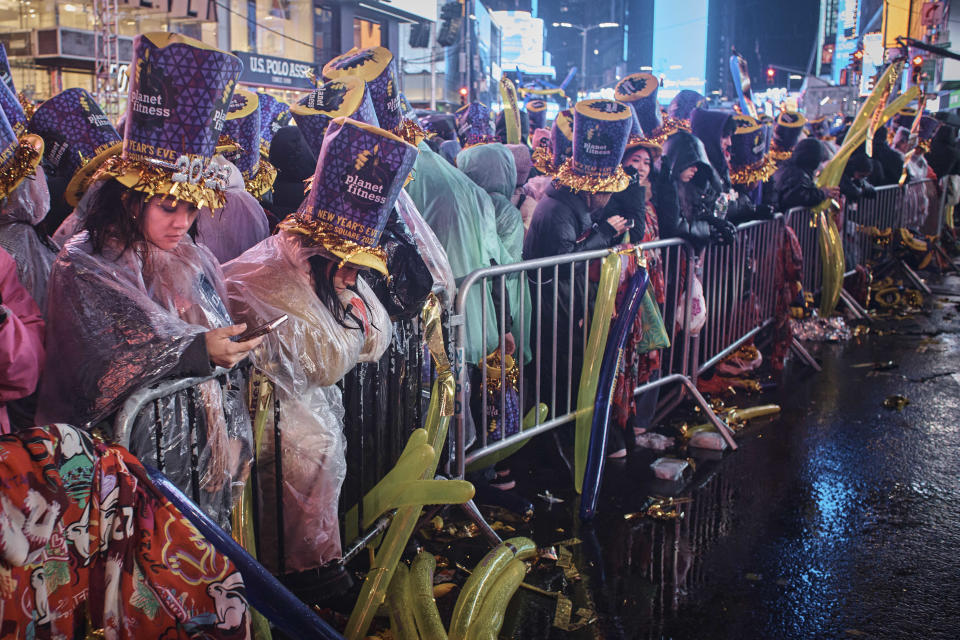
322 234
410 131
759 171
611 183
23 163
156 179
543 161
779 154
635 142
264 175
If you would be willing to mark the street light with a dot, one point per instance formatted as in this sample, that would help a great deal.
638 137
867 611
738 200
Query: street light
583 36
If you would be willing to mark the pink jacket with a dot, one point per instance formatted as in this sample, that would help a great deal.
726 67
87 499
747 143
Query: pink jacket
21 340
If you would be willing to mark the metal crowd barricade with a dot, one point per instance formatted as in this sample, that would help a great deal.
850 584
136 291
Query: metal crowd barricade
384 402
552 375
739 288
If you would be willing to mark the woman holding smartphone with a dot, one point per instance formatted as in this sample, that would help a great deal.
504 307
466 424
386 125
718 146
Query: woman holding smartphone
311 272
132 299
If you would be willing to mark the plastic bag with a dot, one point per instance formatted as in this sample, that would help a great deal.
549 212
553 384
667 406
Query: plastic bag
671 469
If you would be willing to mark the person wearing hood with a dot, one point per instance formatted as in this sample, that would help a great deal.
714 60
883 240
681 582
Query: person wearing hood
493 168
887 162
854 185
687 194
291 155
944 154
794 184
716 129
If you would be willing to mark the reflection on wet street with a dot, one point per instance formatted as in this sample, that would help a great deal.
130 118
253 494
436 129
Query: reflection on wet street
838 519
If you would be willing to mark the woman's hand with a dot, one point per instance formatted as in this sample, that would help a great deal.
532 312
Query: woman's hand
223 351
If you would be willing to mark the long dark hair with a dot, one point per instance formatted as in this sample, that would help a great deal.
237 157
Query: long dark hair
323 269
115 214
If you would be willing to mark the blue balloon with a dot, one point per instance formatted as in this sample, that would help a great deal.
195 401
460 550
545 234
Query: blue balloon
596 455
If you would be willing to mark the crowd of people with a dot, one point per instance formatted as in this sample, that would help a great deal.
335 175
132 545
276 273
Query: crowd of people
147 249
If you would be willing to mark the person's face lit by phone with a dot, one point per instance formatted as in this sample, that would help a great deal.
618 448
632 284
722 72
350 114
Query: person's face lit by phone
344 278
164 222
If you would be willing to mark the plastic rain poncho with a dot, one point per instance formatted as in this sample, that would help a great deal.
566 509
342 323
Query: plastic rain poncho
493 169
239 225
119 321
462 217
25 207
73 223
429 248
304 359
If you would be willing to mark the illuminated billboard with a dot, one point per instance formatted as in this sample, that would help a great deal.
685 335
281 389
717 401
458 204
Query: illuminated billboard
680 46
521 43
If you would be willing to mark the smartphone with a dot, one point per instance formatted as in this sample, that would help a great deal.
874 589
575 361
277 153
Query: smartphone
262 330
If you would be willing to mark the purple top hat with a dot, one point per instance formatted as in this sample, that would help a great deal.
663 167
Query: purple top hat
77 136
817 128
348 97
473 124
6 77
639 90
359 174
600 132
683 104
548 160
904 118
377 68
11 107
273 115
786 133
19 156
242 130
180 91
537 113
926 131
749 160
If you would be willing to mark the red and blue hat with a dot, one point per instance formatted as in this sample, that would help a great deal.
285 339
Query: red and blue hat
473 124
242 134
600 132
179 97
360 171
273 115
78 137
348 97
537 113
750 161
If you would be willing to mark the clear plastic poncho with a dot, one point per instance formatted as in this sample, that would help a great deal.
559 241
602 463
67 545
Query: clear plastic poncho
119 321
461 216
432 253
25 207
304 359
73 223
493 168
239 225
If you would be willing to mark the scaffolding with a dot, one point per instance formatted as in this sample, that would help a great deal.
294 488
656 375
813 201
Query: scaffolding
106 27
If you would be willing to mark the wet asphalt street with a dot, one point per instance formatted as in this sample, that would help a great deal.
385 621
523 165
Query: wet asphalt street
838 519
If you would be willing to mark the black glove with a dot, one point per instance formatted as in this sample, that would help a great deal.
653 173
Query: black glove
721 231
764 212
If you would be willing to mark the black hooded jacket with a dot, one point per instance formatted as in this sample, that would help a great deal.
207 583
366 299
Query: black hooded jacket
793 182
294 161
944 154
682 151
887 162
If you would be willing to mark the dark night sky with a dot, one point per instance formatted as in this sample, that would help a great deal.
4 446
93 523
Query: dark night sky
781 32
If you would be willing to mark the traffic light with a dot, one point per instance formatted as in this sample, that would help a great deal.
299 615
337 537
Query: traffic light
856 61
916 65
451 17
463 95
771 74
